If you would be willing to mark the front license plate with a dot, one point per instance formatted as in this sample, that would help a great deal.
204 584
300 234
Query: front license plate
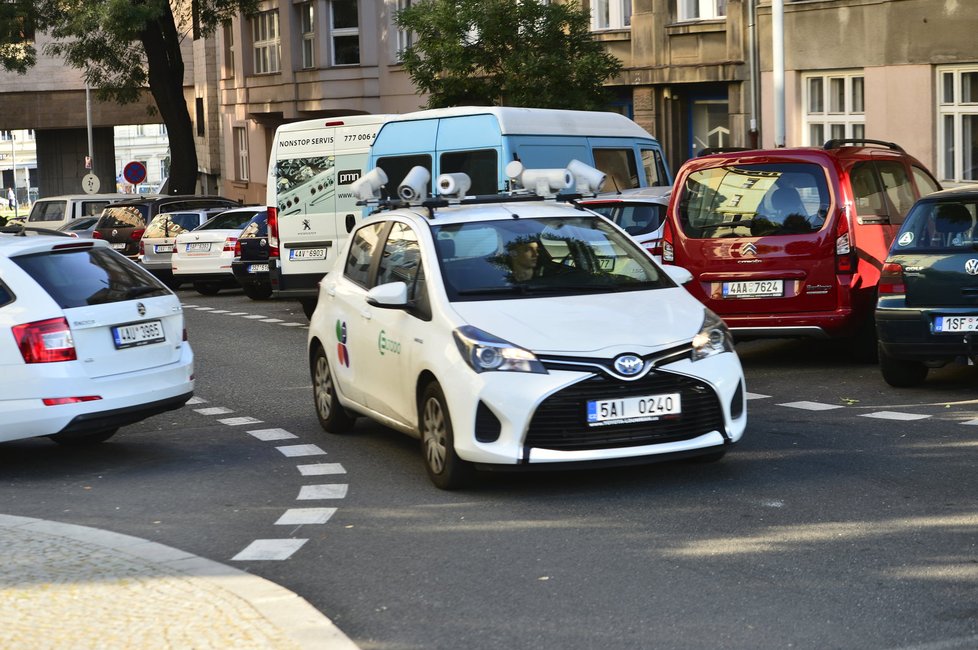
198 247
753 289
307 254
163 248
632 409
956 324
119 247
258 268
130 336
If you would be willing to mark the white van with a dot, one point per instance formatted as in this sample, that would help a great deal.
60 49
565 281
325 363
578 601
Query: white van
55 211
310 206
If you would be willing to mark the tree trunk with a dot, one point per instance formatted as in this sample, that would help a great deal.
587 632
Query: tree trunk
165 64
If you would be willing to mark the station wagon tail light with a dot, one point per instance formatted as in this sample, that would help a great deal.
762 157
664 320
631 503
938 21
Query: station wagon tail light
654 247
142 247
237 249
891 280
845 262
486 353
230 244
668 252
713 338
272 232
56 401
96 234
137 234
45 341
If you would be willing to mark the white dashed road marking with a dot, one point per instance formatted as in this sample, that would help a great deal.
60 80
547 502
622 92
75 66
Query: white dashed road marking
893 415
214 410
756 396
811 406
253 316
293 451
196 400
235 422
294 325
305 516
327 491
272 320
270 549
272 434
204 308
321 469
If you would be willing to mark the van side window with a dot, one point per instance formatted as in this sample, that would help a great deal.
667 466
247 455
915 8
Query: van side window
899 189
482 166
401 262
357 265
655 168
48 211
620 166
925 182
867 191
397 167
92 208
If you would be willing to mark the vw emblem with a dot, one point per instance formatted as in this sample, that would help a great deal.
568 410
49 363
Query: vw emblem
141 308
971 266
748 249
629 365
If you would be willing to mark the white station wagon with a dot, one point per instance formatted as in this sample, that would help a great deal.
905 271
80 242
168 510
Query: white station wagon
516 332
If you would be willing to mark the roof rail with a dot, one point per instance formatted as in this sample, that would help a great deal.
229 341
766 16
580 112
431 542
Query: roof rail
835 143
709 151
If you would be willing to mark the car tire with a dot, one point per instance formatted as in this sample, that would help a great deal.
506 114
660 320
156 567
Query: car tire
445 469
207 288
901 373
82 439
333 418
308 306
257 292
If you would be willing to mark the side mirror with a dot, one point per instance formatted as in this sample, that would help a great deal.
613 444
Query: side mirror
351 221
678 274
392 295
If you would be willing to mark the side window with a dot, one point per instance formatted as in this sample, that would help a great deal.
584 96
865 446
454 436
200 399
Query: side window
619 165
401 262
655 167
899 189
6 295
397 167
925 182
357 266
482 167
92 208
866 190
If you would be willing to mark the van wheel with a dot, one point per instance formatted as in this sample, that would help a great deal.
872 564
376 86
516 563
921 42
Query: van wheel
901 373
445 469
308 306
333 418
207 288
82 439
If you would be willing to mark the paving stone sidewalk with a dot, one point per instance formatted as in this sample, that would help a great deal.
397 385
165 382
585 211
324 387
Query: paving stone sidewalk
74 587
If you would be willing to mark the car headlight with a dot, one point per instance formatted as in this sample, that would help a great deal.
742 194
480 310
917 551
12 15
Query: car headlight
485 352
713 337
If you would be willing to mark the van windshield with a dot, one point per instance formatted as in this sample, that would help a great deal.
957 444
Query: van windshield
754 200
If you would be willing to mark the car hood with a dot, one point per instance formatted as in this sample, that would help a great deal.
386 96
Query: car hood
599 324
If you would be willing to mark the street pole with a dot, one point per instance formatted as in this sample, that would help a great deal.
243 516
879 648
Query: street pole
13 157
88 117
777 37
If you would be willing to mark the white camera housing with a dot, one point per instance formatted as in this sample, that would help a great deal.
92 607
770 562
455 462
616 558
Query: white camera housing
546 182
368 186
415 184
454 185
587 179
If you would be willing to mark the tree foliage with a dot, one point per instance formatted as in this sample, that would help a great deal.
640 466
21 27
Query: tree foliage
122 47
505 52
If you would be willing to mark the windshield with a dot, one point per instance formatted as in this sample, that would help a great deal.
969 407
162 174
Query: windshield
129 216
171 224
229 220
944 226
634 218
545 256
754 200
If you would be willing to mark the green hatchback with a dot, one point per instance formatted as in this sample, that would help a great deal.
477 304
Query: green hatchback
927 311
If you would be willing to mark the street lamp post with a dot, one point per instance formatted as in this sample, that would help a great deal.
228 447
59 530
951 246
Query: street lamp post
13 158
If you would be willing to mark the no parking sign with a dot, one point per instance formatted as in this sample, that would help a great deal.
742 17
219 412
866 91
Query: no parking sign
134 172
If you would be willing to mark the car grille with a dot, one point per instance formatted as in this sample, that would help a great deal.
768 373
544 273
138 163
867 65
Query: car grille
560 422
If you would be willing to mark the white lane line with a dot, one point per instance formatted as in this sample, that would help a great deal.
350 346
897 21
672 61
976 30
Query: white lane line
234 422
237 313
811 406
190 306
327 491
893 415
253 316
220 311
196 400
970 422
303 516
214 410
293 325
321 469
204 308
271 320
270 549
293 451
272 434
756 396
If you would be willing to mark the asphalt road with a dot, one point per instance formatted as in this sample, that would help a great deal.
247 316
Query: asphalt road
846 518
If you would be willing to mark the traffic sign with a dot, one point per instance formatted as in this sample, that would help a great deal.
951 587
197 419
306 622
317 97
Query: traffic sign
134 172
90 183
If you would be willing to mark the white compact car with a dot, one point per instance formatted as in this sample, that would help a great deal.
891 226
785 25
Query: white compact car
640 212
92 341
203 256
520 333
156 244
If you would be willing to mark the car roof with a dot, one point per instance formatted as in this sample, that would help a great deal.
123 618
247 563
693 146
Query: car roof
80 197
148 199
492 211
13 245
655 194
962 192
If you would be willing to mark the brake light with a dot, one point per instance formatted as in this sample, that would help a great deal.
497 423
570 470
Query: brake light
891 280
654 247
272 232
137 234
237 249
55 401
96 234
845 262
45 341
142 247
668 252
229 244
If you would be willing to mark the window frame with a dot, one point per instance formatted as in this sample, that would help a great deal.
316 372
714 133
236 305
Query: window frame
342 32
266 42
611 14
828 117
307 34
241 159
951 110
691 10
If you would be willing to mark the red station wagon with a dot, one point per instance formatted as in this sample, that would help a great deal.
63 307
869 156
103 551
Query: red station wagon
791 242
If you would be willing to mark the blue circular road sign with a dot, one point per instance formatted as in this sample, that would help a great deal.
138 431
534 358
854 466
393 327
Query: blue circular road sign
134 172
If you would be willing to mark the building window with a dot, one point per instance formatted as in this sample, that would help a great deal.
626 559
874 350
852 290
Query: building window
6 135
344 27
228 51
240 153
611 14
266 42
957 123
199 114
834 107
405 39
701 9
307 25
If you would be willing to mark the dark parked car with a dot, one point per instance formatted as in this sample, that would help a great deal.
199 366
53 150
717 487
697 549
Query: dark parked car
250 265
122 224
927 312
